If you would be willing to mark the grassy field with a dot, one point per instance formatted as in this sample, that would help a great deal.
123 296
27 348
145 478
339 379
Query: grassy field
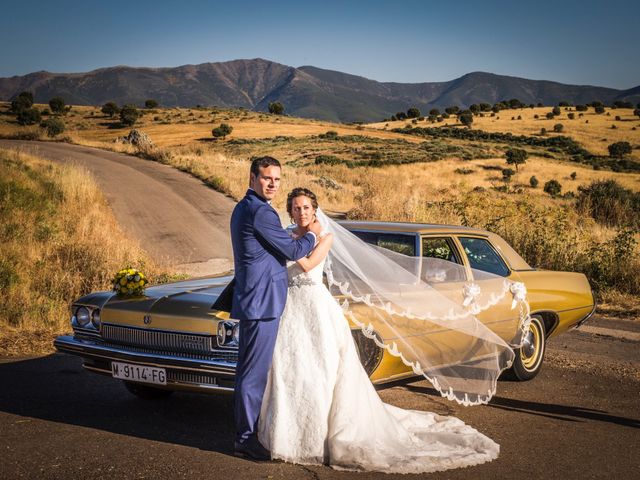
59 241
371 172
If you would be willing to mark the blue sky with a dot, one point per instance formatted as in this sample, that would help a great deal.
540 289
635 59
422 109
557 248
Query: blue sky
577 42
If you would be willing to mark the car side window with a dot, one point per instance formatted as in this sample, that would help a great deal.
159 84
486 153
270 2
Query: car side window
482 256
439 247
396 242
442 248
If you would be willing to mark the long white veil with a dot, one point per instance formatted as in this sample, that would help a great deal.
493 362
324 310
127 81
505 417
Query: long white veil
426 312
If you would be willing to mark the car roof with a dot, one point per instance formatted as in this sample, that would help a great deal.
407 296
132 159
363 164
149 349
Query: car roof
408 227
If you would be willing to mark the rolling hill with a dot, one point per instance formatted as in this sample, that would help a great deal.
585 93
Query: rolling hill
305 91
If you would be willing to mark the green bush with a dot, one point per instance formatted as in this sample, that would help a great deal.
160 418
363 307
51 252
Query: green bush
413 112
533 181
610 204
129 115
222 131
466 119
110 109
29 116
23 101
53 126
619 149
57 105
553 188
558 127
276 108
151 103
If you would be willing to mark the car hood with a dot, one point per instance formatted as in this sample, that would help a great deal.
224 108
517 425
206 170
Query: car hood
179 306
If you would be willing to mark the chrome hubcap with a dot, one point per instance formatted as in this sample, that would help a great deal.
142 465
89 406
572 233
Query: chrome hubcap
528 345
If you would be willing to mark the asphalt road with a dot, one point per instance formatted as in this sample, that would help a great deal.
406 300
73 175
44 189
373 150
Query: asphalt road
178 219
579 419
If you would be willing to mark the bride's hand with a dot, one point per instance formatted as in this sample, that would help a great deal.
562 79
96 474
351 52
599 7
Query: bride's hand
315 228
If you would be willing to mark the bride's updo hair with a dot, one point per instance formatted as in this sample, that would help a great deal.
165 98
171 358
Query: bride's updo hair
301 192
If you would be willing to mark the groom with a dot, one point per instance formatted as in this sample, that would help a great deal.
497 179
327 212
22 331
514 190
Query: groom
261 248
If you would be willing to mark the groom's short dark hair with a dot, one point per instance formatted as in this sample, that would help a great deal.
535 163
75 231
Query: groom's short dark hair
262 162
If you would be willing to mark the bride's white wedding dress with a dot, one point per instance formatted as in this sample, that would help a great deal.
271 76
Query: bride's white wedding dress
320 407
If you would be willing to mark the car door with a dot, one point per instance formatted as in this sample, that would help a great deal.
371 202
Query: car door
481 256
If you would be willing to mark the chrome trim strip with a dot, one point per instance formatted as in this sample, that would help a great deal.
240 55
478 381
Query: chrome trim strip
86 349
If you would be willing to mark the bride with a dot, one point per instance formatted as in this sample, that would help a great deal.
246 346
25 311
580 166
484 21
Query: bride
320 407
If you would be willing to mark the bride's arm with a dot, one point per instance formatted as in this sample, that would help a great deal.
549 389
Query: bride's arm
318 254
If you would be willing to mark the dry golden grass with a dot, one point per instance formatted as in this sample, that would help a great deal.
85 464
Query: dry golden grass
59 240
595 135
424 192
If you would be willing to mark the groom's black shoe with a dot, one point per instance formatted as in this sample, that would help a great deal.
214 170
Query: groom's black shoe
251 449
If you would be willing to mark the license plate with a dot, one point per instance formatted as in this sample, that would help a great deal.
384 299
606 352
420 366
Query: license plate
139 373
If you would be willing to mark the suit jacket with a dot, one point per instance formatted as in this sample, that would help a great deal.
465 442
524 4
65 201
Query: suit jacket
261 248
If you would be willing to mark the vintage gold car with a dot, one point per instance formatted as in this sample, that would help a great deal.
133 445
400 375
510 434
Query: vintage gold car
171 339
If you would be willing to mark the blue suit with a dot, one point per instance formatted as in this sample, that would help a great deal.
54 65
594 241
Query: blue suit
261 248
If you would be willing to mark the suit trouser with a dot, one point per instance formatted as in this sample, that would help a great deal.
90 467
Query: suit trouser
255 352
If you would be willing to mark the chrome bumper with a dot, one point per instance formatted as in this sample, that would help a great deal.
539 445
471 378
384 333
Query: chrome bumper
199 375
581 322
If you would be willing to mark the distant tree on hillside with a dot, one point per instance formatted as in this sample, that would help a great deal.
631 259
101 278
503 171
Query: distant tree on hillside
515 103
564 103
550 115
474 108
110 109
452 110
129 115
619 149
636 112
553 188
57 105
556 110
516 156
434 111
29 116
466 119
23 101
222 131
413 112
581 108
151 103
596 103
599 108
276 108
533 181
507 173
622 104
401 115
558 127
485 107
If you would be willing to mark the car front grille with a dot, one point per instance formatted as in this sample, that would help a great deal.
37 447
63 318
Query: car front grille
185 345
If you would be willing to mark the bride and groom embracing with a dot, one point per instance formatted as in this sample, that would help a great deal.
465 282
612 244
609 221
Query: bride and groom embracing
301 393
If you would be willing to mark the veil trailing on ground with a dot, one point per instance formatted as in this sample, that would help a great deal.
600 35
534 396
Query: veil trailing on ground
454 325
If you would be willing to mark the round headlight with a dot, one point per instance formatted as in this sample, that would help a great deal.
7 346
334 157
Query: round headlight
236 333
83 316
95 318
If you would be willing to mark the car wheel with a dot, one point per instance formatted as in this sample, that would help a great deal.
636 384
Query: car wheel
146 392
528 361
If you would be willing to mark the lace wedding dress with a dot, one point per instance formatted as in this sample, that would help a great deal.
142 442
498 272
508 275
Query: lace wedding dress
320 407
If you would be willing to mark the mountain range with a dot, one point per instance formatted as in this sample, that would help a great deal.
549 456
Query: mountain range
306 91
